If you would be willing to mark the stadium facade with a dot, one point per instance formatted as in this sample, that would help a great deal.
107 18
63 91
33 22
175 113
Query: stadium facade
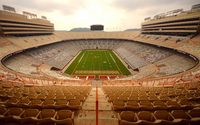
176 22
18 24
163 87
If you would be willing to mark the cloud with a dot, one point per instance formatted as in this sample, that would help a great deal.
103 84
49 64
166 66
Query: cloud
63 6
132 5
114 14
137 10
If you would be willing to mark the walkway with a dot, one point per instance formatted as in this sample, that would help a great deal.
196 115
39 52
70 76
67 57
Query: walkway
88 114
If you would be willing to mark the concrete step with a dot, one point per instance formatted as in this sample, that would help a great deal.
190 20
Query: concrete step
87 116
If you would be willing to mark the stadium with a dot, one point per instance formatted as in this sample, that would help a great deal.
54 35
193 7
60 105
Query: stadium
146 77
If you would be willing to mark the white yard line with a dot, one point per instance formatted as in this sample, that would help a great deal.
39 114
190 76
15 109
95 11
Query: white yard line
112 57
70 62
116 64
81 57
107 58
78 63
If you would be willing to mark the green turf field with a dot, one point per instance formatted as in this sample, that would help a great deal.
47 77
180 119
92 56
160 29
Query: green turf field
97 62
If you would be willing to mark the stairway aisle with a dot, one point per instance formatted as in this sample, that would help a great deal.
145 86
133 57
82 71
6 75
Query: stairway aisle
87 116
106 115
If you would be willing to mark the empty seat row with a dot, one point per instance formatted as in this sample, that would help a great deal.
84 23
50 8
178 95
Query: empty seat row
149 91
44 116
73 104
160 117
148 105
135 96
70 97
8 95
45 90
169 98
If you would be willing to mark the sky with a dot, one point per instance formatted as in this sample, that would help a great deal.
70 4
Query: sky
115 15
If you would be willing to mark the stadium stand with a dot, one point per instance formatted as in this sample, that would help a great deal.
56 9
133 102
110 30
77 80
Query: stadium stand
41 103
164 91
17 24
155 105
175 22
134 54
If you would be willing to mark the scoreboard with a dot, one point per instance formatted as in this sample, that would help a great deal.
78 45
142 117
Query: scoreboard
96 27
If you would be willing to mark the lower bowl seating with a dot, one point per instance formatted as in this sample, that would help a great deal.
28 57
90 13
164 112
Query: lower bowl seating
160 117
140 106
36 106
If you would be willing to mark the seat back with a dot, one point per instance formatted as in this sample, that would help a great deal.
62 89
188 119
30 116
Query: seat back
2 110
47 113
163 115
132 103
75 102
128 116
61 102
145 115
30 113
14 112
172 103
24 101
118 102
194 113
180 114
159 103
48 102
36 102
64 114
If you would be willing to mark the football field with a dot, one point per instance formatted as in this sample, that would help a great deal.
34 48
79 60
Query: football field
97 62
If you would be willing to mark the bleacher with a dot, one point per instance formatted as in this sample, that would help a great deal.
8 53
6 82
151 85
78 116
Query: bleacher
42 100
155 105
163 89
22 104
137 55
